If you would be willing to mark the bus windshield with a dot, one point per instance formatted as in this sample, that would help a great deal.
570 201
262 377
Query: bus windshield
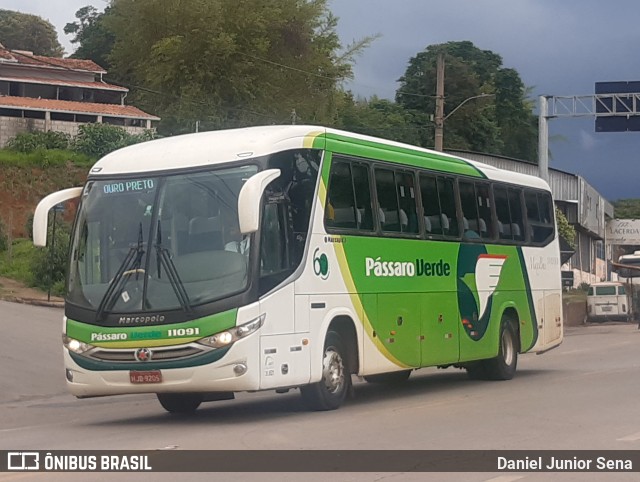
159 243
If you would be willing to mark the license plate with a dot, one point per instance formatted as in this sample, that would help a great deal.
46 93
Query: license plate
148 376
607 308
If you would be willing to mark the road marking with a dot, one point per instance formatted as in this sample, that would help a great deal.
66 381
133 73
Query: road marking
630 438
506 478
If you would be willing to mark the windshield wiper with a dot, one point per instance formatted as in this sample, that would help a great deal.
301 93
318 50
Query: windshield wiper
130 265
163 259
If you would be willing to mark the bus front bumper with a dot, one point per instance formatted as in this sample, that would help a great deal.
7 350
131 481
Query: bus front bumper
236 371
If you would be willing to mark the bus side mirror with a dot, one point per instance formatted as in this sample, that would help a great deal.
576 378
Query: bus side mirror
41 216
250 197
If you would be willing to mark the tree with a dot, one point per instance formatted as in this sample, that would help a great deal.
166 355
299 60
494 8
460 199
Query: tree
627 208
95 41
565 229
21 31
229 64
501 124
514 115
380 118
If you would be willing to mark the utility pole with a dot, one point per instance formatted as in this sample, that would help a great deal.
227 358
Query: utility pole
439 119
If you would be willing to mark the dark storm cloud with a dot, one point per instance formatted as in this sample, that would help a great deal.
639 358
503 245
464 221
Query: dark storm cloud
558 47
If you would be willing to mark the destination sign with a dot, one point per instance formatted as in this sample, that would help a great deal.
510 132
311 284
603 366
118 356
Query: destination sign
133 185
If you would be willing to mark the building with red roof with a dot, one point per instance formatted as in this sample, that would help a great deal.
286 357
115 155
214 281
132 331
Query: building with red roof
40 93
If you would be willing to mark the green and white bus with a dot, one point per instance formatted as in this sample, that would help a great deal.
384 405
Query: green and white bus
279 257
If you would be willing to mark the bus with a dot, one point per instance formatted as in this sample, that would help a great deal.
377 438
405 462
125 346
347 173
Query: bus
628 266
293 257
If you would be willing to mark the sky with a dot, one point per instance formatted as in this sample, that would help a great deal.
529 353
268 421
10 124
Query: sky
559 48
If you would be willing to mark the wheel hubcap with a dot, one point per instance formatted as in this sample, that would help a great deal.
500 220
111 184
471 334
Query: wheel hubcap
332 370
507 347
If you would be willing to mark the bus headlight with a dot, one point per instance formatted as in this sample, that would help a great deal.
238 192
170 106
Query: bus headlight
74 345
232 335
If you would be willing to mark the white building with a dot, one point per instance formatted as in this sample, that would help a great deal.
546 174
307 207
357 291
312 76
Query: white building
46 93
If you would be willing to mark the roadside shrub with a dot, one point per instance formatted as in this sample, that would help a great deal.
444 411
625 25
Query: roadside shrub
97 140
31 141
584 286
49 268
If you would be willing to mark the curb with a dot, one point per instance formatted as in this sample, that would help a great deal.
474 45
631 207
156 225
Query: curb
33 301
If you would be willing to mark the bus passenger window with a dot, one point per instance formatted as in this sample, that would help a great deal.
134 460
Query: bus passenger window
485 224
502 212
363 196
469 211
515 207
430 205
539 216
387 199
449 215
407 200
340 211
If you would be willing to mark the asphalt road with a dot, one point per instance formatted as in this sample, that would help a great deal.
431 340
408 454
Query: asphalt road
583 395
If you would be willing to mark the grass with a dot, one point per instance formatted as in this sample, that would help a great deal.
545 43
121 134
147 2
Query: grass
44 158
17 264
574 296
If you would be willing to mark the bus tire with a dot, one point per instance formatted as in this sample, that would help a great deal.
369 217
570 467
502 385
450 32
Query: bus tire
477 371
333 387
180 402
503 366
391 378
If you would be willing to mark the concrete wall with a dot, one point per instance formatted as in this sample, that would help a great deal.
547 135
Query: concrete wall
12 126
574 312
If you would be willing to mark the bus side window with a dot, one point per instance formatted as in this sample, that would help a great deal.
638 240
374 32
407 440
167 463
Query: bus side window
502 212
483 199
515 208
508 213
449 216
363 196
388 201
407 200
469 210
539 216
430 205
340 211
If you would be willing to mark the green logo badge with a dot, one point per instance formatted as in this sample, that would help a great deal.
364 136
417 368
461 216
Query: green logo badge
320 264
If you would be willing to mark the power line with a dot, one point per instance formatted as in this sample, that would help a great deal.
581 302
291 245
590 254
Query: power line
334 79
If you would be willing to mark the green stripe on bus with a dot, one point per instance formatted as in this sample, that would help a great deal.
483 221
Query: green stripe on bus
151 336
400 155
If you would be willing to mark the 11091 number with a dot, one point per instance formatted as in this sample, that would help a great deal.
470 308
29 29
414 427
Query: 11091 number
180 332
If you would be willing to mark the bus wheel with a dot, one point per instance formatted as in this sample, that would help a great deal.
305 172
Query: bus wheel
389 378
503 367
180 402
477 371
332 389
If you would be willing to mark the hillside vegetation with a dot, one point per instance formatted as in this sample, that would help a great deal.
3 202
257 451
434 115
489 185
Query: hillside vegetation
32 166
627 208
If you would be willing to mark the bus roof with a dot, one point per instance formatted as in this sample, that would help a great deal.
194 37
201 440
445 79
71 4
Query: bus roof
217 147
